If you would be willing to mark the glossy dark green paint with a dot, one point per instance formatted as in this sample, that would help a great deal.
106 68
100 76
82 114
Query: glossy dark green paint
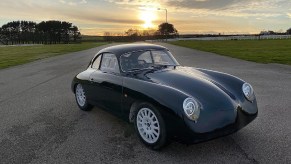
224 107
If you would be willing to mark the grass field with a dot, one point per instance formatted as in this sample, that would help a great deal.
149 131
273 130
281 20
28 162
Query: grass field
261 51
88 38
15 55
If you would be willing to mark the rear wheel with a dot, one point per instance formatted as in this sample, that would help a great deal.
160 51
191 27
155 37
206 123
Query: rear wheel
150 126
81 98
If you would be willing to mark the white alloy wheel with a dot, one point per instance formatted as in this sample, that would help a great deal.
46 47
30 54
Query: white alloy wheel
148 125
80 95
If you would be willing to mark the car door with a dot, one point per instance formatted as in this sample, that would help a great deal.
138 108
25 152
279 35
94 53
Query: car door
92 88
107 83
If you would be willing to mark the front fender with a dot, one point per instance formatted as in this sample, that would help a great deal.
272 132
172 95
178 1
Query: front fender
170 99
233 85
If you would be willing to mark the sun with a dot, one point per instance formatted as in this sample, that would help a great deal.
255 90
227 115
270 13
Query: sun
148 16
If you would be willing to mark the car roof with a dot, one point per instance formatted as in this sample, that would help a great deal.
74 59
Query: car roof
126 48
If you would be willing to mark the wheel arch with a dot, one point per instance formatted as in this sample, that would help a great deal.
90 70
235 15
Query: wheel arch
134 105
166 99
132 110
74 87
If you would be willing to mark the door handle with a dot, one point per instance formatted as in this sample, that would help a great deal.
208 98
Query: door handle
92 80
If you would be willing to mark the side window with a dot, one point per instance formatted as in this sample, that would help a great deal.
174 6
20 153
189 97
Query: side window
109 63
96 62
146 57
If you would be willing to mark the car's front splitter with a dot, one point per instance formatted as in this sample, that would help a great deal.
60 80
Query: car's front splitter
242 119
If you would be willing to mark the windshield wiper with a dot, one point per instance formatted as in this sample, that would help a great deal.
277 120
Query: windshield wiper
162 66
134 69
138 69
155 67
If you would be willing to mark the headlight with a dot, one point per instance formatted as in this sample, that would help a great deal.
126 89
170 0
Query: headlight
248 91
191 108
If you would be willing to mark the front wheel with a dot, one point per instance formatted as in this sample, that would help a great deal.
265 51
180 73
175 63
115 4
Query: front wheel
81 98
150 126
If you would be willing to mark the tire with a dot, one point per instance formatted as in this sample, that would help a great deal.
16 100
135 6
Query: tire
81 100
150 126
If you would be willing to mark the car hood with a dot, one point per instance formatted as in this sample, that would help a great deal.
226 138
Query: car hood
195 83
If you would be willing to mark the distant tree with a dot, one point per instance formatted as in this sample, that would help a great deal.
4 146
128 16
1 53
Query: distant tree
46 32
2 37
270 32
119 34
132 32
167 29
56 32
149 32
11 31
27 33
288 31
107 36
75 33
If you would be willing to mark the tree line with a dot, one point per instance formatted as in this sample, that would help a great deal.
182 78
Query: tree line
45 32
164 31
270 32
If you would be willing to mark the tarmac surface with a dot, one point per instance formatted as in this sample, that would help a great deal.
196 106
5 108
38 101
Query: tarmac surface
40 121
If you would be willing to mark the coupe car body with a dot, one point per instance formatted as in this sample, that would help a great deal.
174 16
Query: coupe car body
144 84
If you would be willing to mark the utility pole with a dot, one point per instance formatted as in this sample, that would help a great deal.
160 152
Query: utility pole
166 13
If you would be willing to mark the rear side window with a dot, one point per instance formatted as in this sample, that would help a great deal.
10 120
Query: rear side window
96 62
109 63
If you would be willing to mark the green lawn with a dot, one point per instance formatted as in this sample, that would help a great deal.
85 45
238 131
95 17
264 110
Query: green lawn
261 51
88 38
15 55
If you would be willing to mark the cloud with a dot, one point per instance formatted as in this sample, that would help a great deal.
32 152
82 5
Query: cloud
74 14
200 4
229 8
192 4
103 19
73 2
232 8
188 16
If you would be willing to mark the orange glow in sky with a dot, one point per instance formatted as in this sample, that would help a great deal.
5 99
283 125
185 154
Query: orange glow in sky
188 16
148 16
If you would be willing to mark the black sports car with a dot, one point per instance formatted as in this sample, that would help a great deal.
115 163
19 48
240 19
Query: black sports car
145 85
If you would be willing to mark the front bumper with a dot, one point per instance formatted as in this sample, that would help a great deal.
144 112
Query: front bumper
242 119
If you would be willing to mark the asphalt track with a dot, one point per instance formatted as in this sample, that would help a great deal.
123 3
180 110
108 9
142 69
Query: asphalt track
41 123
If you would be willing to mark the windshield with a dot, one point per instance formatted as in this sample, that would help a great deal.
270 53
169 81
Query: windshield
150 59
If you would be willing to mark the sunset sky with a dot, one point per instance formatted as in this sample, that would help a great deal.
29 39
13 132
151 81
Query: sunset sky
188 16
